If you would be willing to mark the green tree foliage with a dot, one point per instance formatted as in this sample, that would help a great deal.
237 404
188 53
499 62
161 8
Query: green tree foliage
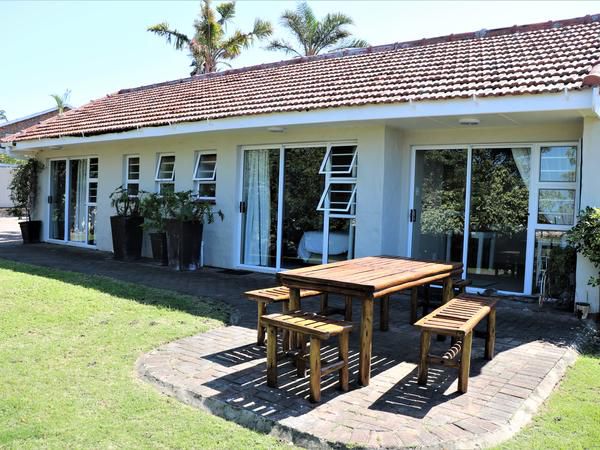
5 159
314 36
24 188
2 114
585 237
209 46
61 100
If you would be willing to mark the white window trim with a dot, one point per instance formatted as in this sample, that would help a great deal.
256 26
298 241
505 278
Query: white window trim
164 180
128 180
326 168
199 156
324 203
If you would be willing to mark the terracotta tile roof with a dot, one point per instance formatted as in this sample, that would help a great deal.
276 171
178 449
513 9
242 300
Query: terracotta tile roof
530 59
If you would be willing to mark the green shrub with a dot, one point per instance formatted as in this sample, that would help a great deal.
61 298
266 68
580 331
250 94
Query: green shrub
24 188
585 238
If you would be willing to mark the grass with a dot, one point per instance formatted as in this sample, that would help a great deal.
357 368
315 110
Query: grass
570 418
68 345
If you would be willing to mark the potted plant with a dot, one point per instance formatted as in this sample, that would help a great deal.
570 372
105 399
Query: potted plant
126 225
152 209
23 194
585 238
185 219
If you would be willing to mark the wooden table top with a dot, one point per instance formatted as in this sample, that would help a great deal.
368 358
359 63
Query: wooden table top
369 275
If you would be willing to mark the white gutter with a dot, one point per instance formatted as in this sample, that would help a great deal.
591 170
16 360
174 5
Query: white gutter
573 101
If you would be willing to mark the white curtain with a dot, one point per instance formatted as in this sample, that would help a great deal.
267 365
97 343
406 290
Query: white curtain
257 228
523 161
80 202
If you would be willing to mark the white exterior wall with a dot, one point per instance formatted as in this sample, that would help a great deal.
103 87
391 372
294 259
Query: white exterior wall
589 196
5 179
222 238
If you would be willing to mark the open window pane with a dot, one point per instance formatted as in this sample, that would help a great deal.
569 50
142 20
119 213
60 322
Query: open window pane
93 168
206 167
556 206
166 168
338 197
207 190
339 160
166 188
558 164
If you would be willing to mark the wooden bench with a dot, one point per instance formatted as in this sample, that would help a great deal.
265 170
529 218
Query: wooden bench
457 319
459 286
318 329
281 294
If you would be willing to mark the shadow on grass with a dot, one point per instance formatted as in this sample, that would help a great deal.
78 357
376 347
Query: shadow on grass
197 306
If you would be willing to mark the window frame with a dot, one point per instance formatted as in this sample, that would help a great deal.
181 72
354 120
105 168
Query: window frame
542 147
159 161
205 181
128 180
326 168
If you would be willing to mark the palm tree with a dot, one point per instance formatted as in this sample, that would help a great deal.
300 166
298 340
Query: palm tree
209 46
61 100
315 36
2 114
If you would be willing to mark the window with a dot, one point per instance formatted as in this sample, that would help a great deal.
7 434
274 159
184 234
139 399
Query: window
165 174
205 176
339 168
338 197
558 163
92 196
132 175
339 160
556 206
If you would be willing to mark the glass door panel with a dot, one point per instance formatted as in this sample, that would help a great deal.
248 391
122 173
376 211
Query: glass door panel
498 218
78 197
302 224
259 207
58 189
341 239
439 204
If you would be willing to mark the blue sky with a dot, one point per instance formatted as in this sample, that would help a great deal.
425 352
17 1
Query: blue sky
95 48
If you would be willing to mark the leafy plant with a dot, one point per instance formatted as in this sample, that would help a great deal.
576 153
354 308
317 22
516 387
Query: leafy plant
562 263
185 207
152 209
209 46
125 205
585 238
61 100
24 188
5 159
315 36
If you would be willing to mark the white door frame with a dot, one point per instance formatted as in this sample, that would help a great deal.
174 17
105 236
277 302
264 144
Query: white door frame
66 240
534 186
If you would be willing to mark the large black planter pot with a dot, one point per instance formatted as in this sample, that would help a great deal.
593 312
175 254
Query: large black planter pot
127 235
160 251
183 242
30 231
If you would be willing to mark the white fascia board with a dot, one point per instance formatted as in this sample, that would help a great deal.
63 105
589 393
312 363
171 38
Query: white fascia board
578 100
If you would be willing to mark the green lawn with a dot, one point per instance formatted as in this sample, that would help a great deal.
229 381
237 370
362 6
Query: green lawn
571 417
68 345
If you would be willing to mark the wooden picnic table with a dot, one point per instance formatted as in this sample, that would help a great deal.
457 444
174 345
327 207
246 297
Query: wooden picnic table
367 279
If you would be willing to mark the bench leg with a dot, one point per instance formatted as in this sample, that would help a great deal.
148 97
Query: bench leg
315 370
490 338
271 356
465 363
348 308
343 355
384 313
414 303
424 358
260 330
285 307
324 304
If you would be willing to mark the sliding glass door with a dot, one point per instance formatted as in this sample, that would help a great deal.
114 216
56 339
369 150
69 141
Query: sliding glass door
498 209
297 205
72 200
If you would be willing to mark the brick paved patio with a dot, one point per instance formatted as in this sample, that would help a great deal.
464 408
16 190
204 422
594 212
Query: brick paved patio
223 372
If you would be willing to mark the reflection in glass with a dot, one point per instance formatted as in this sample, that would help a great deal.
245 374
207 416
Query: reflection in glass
341 239
302 226
440 181
58 177
558 163
498 218
91 225
78 195
259 204
554 257
556 206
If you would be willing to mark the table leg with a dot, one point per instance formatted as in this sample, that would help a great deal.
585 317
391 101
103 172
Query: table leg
294 305
447 295
366 341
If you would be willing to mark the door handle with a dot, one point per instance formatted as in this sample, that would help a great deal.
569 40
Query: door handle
243 207
412 215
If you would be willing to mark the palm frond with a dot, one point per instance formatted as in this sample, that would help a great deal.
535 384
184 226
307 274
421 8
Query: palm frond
226 11
2 114
178 39
262 29
281 45
61 100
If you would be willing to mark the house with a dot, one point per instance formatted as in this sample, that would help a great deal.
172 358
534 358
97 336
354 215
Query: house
478 147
